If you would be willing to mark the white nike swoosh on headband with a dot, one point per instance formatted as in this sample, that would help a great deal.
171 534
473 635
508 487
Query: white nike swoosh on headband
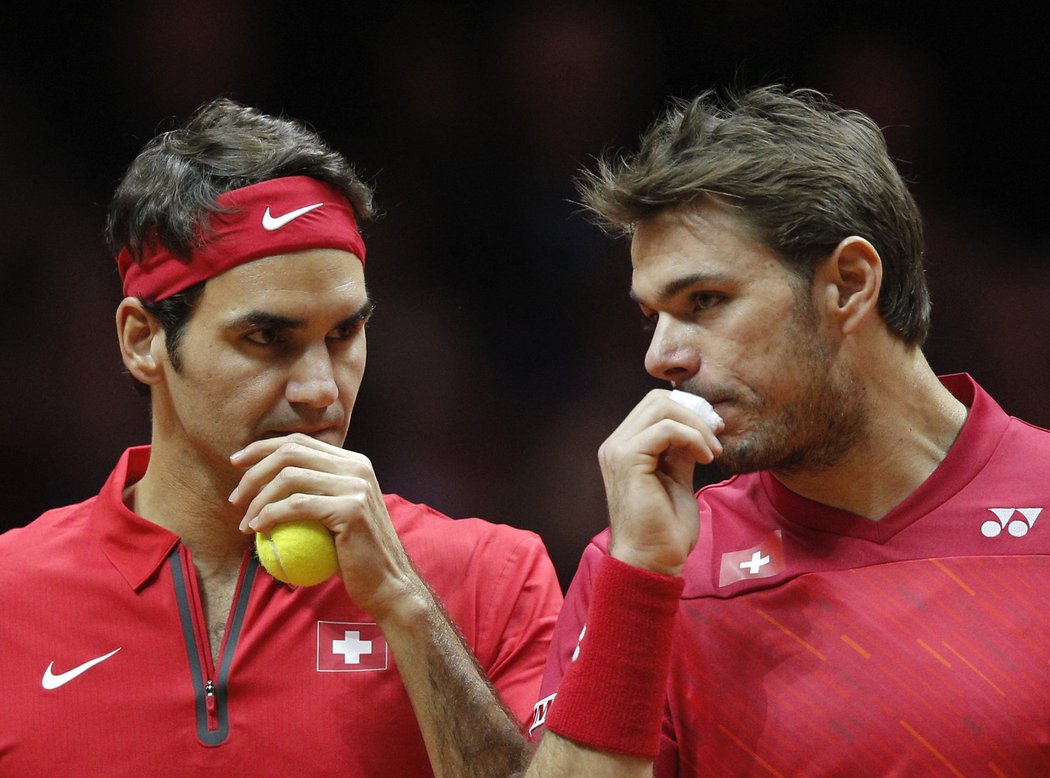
52 681
272 223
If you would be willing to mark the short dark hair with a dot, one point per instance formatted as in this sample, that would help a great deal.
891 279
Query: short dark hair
170 187
803 172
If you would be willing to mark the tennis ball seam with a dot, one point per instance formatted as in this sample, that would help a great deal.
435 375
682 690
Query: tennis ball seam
276 555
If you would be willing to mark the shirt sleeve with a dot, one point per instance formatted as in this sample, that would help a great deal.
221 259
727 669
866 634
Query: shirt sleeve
519 621
566 636
563 645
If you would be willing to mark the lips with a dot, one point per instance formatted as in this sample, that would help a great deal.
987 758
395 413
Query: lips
723 406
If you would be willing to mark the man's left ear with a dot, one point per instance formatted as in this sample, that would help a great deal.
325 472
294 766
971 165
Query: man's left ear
141 338
850 280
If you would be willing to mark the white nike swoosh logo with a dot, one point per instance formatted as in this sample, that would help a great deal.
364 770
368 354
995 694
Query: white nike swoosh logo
52 681
272 223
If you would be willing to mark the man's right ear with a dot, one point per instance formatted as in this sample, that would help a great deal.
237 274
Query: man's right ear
141 339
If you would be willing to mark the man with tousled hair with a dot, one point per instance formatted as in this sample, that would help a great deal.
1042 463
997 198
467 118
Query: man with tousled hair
140 634
866 594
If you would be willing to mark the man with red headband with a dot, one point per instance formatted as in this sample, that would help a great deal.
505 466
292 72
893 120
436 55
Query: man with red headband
140 635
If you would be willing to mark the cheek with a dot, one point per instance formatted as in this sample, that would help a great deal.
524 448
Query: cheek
349 381
230 385
775 364
352 365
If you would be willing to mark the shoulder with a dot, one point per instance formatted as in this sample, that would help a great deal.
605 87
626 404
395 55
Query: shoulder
988 426
496 582
1020 454
49 533
1026 436
50 554
440 544
417 521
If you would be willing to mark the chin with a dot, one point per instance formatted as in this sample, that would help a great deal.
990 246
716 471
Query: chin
748 456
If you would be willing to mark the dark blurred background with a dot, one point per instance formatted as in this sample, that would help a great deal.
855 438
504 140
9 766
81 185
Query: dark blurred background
504 349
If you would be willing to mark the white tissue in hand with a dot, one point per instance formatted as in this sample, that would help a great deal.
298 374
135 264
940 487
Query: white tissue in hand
699 406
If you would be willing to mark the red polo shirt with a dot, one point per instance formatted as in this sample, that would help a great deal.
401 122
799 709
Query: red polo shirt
105 667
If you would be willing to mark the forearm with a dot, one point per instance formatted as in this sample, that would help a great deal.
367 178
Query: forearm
465 727
607 716
558 757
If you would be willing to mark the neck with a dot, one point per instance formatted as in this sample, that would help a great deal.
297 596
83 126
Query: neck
913 420
186 496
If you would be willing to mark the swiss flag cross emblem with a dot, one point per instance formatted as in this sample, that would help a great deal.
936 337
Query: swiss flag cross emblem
762 561
347 647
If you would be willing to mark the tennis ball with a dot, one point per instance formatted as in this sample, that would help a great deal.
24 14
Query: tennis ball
301 553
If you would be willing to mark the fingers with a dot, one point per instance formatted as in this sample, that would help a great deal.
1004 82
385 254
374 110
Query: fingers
657 427
287 447
666 436
647 465
282 473
297 477
302 493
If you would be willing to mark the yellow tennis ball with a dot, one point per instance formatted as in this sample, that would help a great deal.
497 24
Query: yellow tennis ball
301 553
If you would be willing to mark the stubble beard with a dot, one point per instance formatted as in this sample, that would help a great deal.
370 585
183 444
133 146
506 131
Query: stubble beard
816 430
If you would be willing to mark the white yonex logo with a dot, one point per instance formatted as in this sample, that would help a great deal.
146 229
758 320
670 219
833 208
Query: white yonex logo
52 681
1018 527
272 223
756 563
352 647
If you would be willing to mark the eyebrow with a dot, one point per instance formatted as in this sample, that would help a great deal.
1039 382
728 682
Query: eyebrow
278 322
672 288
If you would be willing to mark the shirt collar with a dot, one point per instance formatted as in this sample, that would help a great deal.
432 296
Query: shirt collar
134 545
978 439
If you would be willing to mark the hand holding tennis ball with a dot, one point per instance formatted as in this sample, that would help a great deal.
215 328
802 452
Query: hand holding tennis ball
317 510
301 553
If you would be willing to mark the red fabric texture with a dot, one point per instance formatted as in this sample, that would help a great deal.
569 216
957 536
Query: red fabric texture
914 645
86 579
612 696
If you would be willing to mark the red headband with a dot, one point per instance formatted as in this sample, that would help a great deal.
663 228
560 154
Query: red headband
279 216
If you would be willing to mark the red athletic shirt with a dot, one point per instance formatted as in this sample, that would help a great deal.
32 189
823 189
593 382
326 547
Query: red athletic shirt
105 667
811 641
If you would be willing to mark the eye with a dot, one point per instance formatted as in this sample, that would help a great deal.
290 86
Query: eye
348 328
266 336
703 301
346 331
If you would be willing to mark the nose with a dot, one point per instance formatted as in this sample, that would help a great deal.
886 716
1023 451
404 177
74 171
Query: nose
673 355
312 379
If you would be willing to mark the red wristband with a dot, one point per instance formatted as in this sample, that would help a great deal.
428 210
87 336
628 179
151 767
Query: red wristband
612 696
